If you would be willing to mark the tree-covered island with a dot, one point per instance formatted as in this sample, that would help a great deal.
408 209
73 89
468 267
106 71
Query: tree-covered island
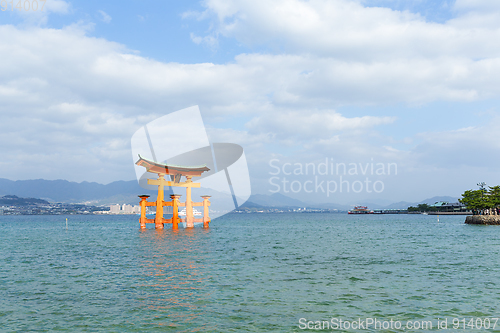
484 204
482 201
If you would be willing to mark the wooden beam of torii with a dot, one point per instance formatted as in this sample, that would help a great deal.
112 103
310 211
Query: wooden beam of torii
175 172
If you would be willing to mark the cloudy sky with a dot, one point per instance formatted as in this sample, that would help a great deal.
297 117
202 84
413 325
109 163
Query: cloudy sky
409 82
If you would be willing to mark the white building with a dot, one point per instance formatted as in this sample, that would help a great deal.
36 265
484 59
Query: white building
114 209
127 209
124 209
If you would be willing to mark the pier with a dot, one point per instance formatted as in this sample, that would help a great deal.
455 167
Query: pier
390 211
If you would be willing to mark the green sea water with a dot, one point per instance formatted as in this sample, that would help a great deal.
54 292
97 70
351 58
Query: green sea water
247 273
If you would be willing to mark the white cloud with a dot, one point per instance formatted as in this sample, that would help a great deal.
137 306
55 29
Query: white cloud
209 40
77 100
66 94
482 5
57 6
477 146
309 124
343 53
38 16
104 16
347 30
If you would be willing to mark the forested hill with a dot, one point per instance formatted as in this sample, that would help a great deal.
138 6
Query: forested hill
12 200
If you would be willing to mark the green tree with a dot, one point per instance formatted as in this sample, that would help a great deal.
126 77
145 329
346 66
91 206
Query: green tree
474 200
423 207
494 197
413 209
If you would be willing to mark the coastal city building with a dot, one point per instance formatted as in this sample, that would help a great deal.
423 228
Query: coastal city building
124 209
443 206
114 209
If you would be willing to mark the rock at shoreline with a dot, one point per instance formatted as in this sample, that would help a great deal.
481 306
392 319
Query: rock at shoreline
483 219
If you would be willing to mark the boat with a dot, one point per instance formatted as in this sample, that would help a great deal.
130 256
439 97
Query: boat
360 210
147 214
195 212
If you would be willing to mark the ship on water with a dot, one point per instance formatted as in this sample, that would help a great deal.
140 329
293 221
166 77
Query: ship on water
360 210
195 212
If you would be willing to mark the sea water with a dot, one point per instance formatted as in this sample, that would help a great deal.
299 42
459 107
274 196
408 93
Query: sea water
247 272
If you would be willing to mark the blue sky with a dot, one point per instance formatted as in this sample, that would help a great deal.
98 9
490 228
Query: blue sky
408 82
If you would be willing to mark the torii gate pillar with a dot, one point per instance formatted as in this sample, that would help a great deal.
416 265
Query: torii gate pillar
175 212
206 203
143 218
189 204
159 202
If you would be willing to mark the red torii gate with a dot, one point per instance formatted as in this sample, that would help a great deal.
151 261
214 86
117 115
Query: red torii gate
175 172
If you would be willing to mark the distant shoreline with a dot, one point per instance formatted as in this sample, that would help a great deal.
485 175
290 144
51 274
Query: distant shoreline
449 213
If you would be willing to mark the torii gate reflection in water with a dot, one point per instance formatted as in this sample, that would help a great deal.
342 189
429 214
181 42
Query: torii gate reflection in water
175 172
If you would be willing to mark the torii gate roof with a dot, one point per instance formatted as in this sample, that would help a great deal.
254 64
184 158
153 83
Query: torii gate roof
170 169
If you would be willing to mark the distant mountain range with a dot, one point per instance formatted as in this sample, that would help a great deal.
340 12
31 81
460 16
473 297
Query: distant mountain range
127 191
280 200
405 204
275 200
71 192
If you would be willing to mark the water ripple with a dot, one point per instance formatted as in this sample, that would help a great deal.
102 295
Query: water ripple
253 273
